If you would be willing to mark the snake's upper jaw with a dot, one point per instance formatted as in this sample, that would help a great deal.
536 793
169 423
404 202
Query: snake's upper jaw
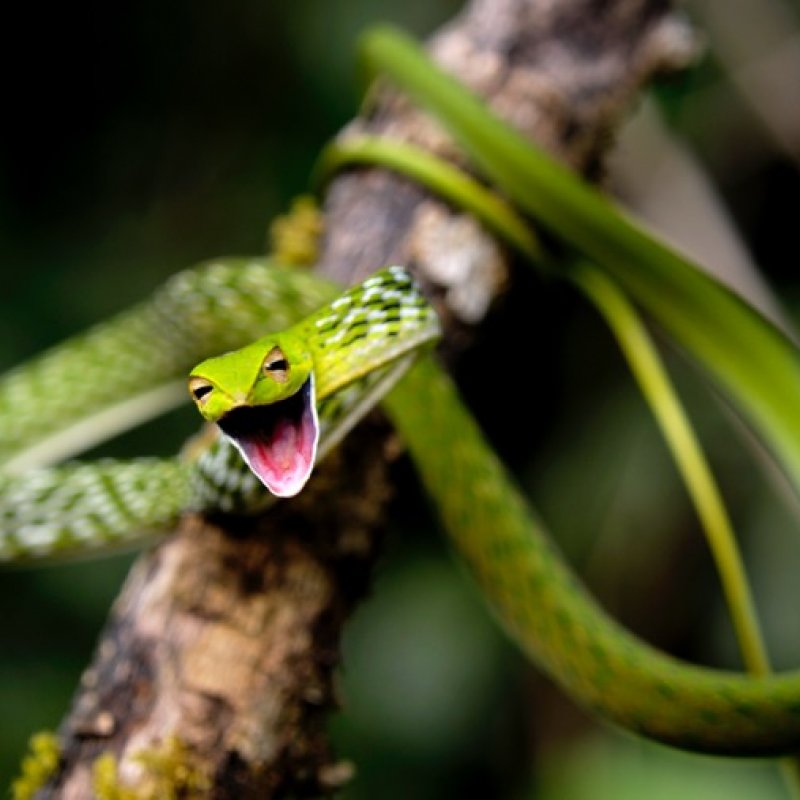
278 441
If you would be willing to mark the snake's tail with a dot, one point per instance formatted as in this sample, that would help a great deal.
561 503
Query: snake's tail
549 613
77 510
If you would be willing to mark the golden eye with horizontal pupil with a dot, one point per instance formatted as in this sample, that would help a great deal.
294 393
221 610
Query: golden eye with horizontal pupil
200 388
276 365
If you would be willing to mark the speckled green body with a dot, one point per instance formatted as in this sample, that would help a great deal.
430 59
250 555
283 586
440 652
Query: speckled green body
355 342
74 509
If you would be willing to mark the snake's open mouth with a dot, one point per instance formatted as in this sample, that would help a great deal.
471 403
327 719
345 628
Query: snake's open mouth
278 441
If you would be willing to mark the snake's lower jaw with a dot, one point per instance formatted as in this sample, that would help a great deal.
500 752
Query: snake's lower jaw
278 441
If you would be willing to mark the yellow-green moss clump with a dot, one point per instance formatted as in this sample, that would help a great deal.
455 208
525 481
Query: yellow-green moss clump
170 774
294 236
40 763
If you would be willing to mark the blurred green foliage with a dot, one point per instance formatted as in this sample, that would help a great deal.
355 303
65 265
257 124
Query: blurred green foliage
142 137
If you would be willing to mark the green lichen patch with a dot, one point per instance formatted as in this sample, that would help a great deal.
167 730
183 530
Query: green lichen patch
38 766
294 236
171 773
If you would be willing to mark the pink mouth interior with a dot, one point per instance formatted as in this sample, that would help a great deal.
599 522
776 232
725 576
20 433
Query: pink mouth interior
284 460
278 442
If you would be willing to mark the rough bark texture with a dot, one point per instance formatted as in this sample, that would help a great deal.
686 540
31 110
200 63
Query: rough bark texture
228 638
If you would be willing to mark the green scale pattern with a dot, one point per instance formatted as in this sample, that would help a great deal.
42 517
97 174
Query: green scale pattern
77 509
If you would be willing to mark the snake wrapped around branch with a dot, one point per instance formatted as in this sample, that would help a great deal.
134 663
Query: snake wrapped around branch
300 364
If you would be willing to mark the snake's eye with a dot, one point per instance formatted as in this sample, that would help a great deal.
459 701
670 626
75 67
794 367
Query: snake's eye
276 365
200 389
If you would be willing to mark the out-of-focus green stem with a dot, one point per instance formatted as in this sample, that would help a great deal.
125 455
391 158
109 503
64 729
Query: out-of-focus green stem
646 366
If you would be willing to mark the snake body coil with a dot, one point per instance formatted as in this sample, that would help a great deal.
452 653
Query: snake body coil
359 344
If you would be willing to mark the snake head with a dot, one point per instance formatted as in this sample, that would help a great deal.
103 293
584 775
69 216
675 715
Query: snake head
262 398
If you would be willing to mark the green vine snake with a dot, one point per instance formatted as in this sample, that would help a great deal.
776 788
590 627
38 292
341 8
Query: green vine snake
284 398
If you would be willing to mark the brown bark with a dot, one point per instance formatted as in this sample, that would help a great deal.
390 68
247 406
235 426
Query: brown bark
227 637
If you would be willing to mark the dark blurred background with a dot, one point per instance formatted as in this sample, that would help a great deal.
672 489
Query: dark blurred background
139 138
